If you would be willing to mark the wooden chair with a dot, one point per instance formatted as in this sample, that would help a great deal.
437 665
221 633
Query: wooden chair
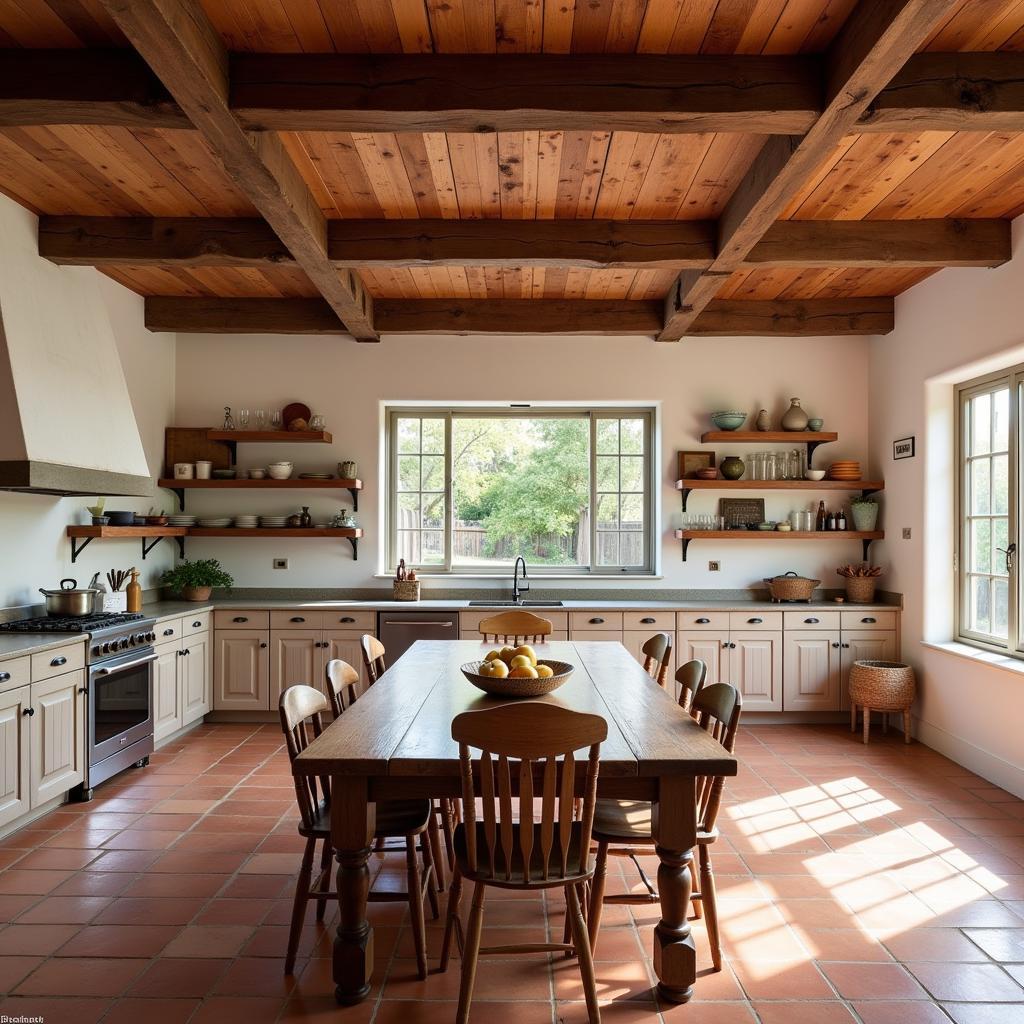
657 654
515 627
373 657
342 682
622 825
302 712
520 746
690 677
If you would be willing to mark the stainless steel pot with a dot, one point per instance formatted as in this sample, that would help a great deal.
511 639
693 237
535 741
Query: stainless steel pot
70 599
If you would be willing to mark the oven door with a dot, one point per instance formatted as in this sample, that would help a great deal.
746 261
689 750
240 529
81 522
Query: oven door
120 703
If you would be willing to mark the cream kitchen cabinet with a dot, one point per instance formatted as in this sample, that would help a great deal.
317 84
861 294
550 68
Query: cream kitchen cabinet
301 656
755 668
182 680
241 670
166 699
15 745
195 678
811 670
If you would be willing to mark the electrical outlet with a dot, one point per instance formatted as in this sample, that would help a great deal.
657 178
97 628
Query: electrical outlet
714 566
280 563
906 533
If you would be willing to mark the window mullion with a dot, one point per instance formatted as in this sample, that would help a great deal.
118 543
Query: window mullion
592 518
449 494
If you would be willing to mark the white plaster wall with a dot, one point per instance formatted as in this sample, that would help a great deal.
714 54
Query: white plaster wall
34 551
347 383
956 325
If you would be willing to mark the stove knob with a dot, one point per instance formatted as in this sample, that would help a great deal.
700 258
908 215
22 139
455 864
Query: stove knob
106 647
140 638
95 649
124 643
151 636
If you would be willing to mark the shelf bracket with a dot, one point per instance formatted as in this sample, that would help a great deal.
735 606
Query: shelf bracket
77 549
865 546
355 499
354 541
811 447
181 546
686 492
146 548
686 544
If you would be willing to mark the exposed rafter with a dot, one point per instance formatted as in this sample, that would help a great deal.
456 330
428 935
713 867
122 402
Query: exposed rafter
645 245
186 53
522 316
874 43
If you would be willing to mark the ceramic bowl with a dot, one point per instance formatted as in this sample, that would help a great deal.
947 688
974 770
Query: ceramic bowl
121 518
257 474
815 424
279 472
224 474
706 474
728 419
815 474
766 526
506 687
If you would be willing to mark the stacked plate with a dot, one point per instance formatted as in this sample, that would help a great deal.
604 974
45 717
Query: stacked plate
247 522
181 520
273 522
215 522
845 470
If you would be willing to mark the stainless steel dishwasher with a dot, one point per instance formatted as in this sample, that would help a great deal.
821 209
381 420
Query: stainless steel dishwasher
398 631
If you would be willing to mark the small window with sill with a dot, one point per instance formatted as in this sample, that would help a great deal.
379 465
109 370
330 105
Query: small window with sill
570 489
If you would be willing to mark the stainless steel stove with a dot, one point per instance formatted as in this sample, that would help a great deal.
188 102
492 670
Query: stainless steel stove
119 702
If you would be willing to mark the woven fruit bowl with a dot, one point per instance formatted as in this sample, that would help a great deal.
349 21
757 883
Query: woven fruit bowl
512 687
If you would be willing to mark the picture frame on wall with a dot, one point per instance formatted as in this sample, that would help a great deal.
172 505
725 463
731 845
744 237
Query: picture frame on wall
690 462
903 448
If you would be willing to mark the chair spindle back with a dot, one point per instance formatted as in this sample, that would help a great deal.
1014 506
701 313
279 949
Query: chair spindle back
657 654
342 680
690 677
717 709
515 627
373 657
301 709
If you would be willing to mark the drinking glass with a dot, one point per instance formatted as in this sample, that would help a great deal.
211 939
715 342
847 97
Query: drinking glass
243 418
754 466
275 420
316 422
771 466
261 419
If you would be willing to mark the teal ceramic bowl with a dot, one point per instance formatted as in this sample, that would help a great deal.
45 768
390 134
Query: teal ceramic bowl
728 420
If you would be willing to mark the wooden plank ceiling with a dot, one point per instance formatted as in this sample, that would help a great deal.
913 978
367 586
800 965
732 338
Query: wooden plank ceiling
104 170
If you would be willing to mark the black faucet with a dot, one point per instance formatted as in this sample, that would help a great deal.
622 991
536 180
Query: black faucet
516 585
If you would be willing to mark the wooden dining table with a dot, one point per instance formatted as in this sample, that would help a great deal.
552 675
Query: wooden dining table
395 743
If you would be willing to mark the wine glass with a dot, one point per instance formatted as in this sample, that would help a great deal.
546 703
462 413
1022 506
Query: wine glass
243 418
275 420
261 419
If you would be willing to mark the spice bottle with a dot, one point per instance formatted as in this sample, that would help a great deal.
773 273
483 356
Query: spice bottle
819 523
841 522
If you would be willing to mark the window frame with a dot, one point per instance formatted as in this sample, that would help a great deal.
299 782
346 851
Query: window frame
1012 379
448 412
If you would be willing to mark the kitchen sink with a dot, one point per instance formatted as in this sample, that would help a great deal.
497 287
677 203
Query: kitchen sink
515 604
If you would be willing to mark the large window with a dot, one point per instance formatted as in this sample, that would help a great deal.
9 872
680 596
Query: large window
989 536
568 489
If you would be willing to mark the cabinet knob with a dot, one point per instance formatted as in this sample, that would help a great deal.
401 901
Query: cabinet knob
82 689
186 651
647 620
733 646
297 618
836 644
197 623
168 632
702 621
263 644
846 645
346 618
812 621
868 619
240 618
4 676
29 712
755 622
597 621
59 660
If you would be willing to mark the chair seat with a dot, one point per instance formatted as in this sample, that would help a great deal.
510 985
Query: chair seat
575 871
394 818
617 821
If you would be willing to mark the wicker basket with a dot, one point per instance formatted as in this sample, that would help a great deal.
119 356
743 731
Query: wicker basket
882 685
791 587
405 590
861 589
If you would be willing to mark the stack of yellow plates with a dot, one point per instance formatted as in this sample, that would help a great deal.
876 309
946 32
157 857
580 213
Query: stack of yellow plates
845 470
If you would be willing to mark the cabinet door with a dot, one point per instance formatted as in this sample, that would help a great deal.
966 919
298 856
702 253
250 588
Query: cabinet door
634 639
755 669
707 645
166 700
810 669
861 645
344 644
242 670
15 767
194 679
295 657
58 736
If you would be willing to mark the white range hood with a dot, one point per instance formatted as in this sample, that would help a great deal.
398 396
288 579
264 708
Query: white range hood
66 420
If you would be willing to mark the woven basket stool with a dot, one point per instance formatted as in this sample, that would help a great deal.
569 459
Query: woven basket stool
884 686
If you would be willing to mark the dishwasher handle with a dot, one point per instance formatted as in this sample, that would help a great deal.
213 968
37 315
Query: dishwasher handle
442 625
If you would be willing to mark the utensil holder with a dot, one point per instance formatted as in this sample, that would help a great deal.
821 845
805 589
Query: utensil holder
117 601
405 590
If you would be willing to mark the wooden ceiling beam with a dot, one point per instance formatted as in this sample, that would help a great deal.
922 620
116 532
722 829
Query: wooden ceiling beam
875 42
640 245
187 54
816 317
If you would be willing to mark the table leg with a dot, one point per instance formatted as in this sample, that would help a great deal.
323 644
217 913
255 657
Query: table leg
353 820
675 834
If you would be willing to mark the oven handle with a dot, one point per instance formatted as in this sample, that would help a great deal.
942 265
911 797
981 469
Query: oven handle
127 664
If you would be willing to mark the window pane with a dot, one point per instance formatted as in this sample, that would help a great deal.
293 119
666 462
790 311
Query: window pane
981 545
1001 420
607 511
632 512
433 473
608 549
409 435
1000 484
433 437
607 437
981 424
632 473
1000 608
980 610
408 473
632 437
980 471
607 473
1000 535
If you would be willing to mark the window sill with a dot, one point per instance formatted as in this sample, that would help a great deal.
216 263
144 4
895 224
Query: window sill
538 578
978 655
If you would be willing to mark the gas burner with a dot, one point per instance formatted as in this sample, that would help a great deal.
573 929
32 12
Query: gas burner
70 623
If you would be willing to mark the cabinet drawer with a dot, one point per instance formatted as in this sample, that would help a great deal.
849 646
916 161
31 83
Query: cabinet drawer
241 619
296 619
601 622
755 620
469 622
811 620
198 623
55 663
15 672
365 622
868 620
168 629
702 620
654 621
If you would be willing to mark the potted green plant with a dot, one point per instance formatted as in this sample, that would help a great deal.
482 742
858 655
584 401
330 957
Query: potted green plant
194 581
865 513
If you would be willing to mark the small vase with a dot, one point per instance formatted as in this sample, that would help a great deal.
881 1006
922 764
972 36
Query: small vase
763 422
305 520
196 593
731 468
865 515
795 418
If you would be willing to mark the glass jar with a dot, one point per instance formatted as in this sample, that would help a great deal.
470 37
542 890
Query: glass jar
794 465
771 466
754 465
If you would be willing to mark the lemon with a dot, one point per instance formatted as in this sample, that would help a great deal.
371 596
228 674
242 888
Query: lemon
544 671
523 672
527 651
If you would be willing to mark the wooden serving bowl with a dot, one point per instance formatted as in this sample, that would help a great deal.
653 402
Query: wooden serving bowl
506 687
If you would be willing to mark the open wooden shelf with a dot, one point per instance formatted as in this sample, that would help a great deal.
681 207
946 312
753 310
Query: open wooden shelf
769 436
271 436
353 486
351 534
774 535
82 536
779 485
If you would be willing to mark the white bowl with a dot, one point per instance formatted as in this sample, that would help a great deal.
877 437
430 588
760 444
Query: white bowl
815 474
279 472
257 474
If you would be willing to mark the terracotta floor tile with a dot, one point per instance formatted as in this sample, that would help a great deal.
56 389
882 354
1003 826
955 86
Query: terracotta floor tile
967 982
195 862
324 1010
782 980
938 944
119 940
80 977
34 939
842 944
140 911
228 911
170 885
152 1011
919 1011
13 905
255 976
168 977
804 1013
56 1011
15 968
64 910
1003 944
200 940
125 860
272 864
238 1010
709 1013
18 880
62 859
985 1013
